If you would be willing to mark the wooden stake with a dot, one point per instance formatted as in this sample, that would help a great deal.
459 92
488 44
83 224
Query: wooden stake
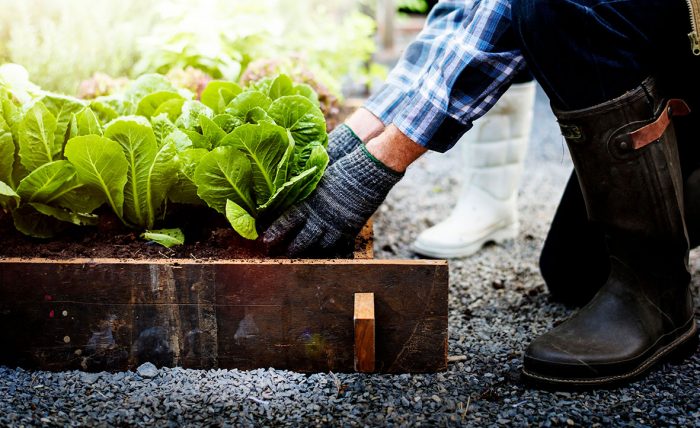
364 332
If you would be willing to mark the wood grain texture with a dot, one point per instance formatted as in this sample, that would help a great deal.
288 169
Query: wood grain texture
364 333
289 314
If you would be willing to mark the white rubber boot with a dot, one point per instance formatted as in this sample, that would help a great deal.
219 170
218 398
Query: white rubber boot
493 151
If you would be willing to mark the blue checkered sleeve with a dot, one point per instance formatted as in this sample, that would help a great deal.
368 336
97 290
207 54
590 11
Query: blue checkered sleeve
454 72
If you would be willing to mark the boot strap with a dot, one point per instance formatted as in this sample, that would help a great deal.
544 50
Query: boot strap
653 131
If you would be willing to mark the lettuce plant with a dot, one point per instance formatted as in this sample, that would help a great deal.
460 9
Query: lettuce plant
248 153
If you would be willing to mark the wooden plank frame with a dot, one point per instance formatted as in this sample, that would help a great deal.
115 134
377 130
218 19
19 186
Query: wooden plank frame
364 332
109 314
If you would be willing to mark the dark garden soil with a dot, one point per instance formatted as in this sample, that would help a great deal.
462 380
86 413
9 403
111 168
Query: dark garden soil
207 237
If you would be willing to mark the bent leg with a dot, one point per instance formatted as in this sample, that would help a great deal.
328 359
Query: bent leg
603 63
574 260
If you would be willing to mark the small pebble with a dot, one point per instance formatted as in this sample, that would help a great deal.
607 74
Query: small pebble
147 370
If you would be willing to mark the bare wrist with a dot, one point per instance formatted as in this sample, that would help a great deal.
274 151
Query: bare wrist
394 149
364 124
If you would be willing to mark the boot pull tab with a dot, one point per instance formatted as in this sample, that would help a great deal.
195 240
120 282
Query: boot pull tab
647 134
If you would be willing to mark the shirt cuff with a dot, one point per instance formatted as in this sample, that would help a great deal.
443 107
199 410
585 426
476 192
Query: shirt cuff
429 125
386 102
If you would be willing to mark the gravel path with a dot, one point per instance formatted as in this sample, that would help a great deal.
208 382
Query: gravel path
497 304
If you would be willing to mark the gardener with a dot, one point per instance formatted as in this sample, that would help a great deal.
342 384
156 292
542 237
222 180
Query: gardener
613 71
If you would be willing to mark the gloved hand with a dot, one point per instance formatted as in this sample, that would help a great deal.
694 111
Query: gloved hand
341 141
346 197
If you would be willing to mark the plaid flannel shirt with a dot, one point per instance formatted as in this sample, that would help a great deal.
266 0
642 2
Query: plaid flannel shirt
454 72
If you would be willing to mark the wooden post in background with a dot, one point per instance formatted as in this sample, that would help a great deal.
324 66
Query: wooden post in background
364 332
386 13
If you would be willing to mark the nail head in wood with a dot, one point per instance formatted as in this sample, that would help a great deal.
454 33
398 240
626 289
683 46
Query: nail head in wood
364 333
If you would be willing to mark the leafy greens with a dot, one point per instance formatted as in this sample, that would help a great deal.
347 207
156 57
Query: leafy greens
248 153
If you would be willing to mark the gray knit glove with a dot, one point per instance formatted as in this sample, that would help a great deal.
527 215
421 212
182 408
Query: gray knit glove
341 141
349 193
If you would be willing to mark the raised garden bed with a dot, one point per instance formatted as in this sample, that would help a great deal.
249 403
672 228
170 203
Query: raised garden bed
116 313
91 183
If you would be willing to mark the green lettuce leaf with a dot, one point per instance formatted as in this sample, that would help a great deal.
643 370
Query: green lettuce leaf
301 117
283 168
44 182
11 112
29 221
78 197
212 133
184 191
57 184
218 94
151 170
9 199
37 144
145 85
162 127
241 221
62 108
308 92
245 102
263 85
100 163
12 115
88 123
166 132
305 178
316 157
198 140
172 108
179 139
191 111
66 216
227 123
265 145
222 174
109 108
258 115
281 86
84 123
149 105
287 195
7 153
165 237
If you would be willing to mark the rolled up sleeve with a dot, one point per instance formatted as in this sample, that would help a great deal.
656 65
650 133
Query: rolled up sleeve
453 73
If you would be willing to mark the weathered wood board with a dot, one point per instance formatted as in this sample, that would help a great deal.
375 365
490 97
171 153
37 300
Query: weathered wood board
364 332
288 314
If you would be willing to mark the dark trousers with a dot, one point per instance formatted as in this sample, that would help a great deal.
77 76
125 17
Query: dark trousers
586 52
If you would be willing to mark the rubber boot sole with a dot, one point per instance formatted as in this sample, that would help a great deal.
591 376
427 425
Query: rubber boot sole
497 236
684 346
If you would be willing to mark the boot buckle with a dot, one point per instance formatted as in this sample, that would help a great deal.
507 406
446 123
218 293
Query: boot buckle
572 133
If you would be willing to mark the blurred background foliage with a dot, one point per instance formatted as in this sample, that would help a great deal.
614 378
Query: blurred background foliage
65 42
413 6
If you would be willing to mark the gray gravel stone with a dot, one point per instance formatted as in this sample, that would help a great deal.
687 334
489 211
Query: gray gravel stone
147 370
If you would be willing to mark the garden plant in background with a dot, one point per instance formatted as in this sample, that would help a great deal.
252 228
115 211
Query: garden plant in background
64 42
249 153
58 44
237 33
